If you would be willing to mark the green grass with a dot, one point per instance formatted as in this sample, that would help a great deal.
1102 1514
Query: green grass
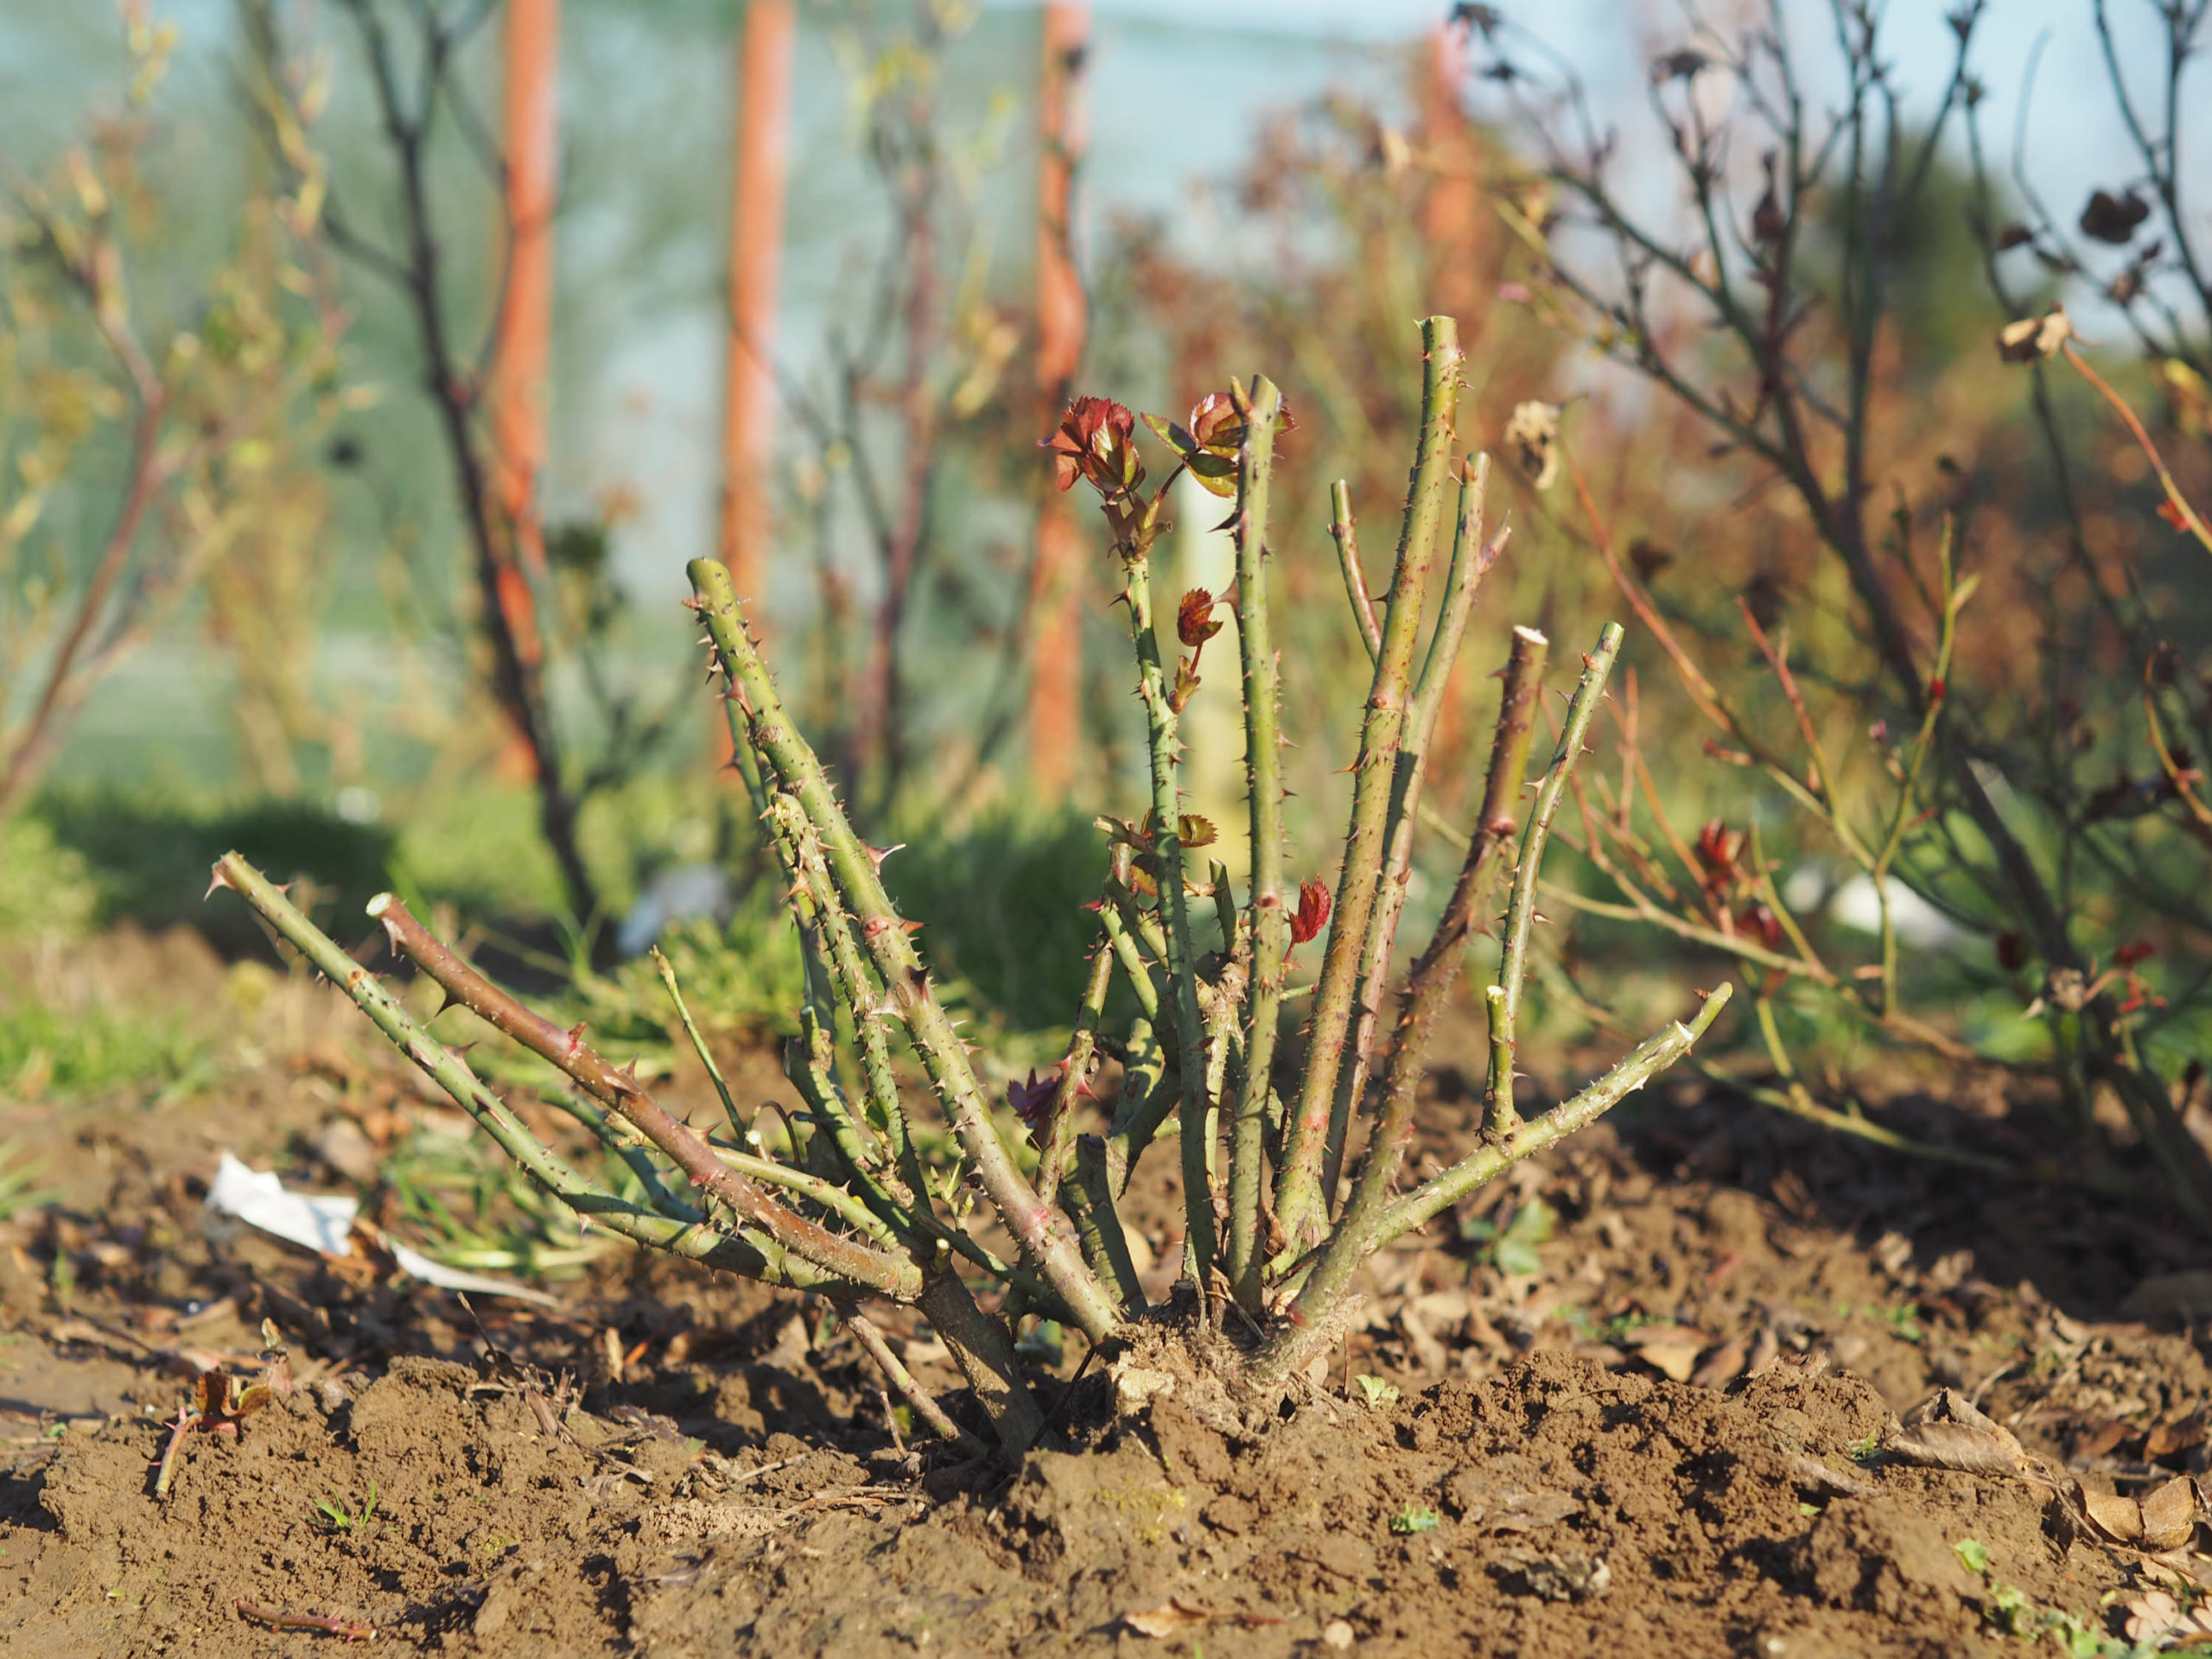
17 1171
52 1052
148 856
1001 907
46 886
461 1201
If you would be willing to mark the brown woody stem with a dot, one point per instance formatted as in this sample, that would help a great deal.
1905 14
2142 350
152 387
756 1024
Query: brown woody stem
621 1093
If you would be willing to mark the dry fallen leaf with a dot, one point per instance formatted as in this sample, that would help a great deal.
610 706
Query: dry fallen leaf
2119 1518
1723 1366
1814 1476
2170 1438
1525 1511
1954 1433
1171 1616
1670 1349
2169 1513
2156 1619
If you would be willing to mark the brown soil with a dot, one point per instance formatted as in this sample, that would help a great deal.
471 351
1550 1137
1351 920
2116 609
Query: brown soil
1660 1443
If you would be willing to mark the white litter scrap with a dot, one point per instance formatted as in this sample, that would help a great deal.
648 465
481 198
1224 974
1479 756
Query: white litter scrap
325 1225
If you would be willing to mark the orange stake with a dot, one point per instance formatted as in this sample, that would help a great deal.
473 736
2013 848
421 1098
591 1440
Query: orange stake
756 243
522 344
1056 595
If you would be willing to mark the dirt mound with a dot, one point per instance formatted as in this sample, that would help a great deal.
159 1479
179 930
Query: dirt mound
1558 1509
1631 1406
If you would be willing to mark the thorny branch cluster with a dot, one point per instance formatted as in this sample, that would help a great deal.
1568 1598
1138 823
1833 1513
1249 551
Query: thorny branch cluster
916 1190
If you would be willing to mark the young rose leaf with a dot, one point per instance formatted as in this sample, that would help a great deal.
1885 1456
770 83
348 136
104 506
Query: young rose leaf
1313 913
1718 849
1171 435
1215 476
1033 1100
1216 423
1194 831
1093 442
1186 686
1194 619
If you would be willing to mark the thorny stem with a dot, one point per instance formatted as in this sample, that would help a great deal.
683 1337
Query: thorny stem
774 1244
813 893
1088 1197
667 972
1471 559
1648 1058
1293 1344
1263 782
621 1093
1075 1073
1503 999
752 1252
1163 744
1299 1203
1128 948
1428 987
1344 531
1044 1239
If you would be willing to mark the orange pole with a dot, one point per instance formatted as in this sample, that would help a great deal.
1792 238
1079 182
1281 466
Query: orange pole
1056 598
522 345
756 243
1451 208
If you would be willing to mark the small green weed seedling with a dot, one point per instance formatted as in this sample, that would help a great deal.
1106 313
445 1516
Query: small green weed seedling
340 1520
1417 1517
1512 1251
1379 1393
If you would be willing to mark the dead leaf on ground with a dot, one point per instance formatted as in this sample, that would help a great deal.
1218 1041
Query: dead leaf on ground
2169 1513
2120 1519
2096 1439
1953 1432
1814 1476
1170 1617
2156 1619
1672 1349
2170 1438
1722 1366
